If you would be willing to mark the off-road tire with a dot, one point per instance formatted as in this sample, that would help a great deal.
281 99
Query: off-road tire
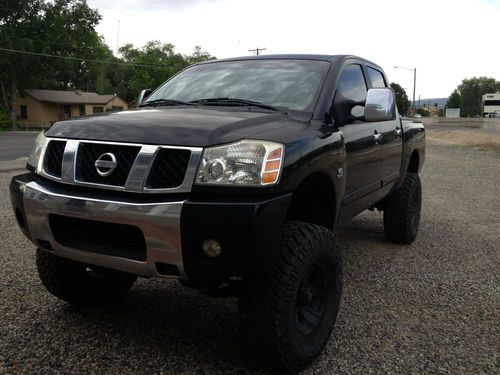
402 211
78 283
272 306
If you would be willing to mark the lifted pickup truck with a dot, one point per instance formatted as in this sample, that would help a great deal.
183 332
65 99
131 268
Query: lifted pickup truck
231 177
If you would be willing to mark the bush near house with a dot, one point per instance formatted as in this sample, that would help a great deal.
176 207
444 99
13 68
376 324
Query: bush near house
4 120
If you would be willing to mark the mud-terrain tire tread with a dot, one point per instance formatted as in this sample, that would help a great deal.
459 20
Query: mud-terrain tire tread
262 306
69 281
399 225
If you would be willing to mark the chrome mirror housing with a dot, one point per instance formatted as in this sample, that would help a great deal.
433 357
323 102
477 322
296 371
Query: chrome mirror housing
143 95
380 104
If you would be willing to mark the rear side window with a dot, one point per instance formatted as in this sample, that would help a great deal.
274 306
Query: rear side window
376 78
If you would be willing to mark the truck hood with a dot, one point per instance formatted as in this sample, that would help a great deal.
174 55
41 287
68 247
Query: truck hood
176 126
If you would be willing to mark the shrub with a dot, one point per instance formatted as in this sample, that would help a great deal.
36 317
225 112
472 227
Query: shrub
5 122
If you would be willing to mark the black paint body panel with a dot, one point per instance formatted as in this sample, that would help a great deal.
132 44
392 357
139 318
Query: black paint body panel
249 231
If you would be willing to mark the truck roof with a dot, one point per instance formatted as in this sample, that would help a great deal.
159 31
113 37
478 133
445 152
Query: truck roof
330 58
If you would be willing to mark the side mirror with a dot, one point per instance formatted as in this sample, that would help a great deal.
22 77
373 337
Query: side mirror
380 105
143 95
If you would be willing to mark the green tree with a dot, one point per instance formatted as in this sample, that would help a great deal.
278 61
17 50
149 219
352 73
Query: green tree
198 56
20 22
66 28
471 91
402 100
153 64
70 31
59 27
455 100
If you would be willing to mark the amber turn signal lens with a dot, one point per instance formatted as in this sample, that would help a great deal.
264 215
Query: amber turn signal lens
269 177
276 154
272 165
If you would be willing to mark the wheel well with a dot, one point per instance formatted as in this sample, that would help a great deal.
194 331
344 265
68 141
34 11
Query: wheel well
414 162
314 201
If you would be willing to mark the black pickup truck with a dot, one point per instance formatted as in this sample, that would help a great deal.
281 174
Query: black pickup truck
231 177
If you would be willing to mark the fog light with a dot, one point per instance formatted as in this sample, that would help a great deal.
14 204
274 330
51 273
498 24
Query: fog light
212 248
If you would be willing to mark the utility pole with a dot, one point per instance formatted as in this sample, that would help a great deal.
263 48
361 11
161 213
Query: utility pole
257 50
414 70
118 37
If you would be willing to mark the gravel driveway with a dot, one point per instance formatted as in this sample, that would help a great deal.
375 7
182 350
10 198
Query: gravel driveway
432 307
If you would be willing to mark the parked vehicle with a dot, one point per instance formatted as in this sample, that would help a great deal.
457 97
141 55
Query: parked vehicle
231 177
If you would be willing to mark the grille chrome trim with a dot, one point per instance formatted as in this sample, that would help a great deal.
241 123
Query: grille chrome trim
139 171
69 159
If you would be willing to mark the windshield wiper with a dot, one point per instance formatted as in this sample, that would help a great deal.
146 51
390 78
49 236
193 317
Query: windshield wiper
235 101
158 102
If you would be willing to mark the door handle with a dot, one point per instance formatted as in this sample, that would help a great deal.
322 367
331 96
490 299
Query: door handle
377 136
398 132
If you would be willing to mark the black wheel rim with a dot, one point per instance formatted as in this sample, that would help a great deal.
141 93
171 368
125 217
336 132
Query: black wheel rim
311 299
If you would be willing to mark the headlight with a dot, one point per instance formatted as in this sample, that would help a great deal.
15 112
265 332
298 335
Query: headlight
248 163
37 150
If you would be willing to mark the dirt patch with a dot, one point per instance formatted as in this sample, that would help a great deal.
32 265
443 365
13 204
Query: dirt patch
470 137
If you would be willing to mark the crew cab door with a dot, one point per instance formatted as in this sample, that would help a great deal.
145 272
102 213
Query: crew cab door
391 130
363 151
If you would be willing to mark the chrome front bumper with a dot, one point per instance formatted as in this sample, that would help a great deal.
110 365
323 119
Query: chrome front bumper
158 221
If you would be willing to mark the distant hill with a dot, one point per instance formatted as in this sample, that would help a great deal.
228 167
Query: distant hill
440 101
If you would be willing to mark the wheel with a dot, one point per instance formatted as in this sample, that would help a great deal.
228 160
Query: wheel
288 313
402 211
78 283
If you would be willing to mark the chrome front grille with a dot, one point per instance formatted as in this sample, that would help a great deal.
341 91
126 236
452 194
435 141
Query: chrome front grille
87 155
134 167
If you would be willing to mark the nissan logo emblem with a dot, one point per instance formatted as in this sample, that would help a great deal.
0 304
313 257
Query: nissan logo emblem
105 164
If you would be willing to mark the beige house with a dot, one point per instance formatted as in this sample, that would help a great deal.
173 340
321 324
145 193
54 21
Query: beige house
44 107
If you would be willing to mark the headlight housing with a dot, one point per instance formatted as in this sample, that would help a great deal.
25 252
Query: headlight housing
244 163
37 150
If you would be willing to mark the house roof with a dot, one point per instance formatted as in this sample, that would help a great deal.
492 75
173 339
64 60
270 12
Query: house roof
69 97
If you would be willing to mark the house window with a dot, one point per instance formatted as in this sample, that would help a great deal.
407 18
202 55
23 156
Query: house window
97 109
82 109
24 112
117 108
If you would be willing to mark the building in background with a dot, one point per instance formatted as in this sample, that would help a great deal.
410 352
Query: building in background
491 105
42 108
452 113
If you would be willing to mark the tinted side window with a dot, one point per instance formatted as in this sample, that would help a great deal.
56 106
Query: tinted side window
350 90
352 84
376 78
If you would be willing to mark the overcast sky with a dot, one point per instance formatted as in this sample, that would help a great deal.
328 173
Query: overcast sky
445 40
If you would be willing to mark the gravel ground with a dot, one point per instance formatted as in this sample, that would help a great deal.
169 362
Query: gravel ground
488 139
432 307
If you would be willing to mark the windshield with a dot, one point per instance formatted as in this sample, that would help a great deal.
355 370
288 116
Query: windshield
291 84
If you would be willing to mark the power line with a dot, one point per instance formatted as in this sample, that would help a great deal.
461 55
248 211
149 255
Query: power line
87 60
257 50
